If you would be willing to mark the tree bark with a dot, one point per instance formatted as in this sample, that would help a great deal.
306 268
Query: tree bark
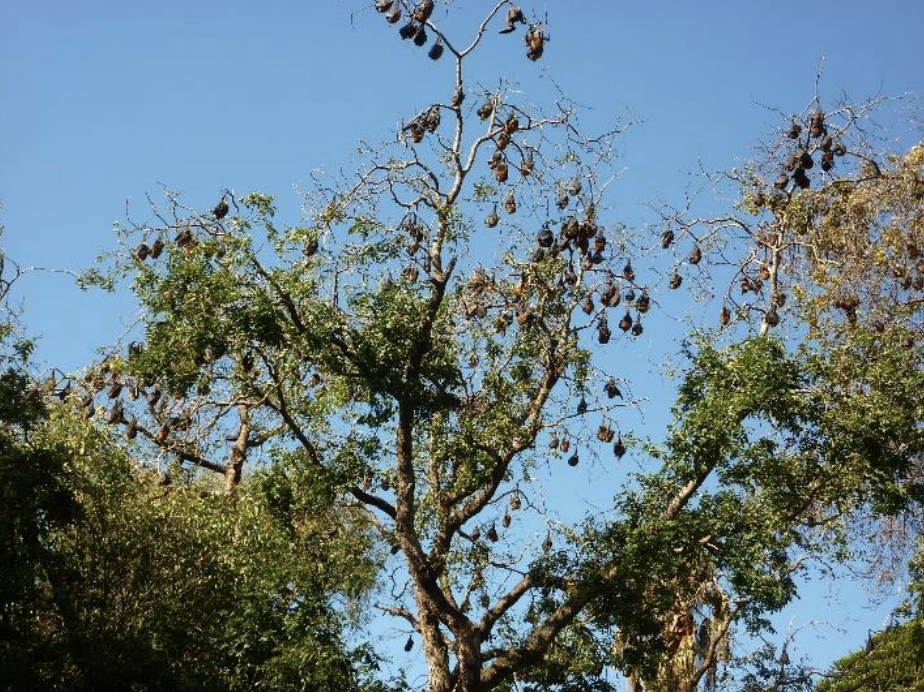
434 645
468 661
238 451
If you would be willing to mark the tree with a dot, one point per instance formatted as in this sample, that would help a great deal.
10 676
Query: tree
890 659
123 578
374 354
141 587
844 283
117 577
35 498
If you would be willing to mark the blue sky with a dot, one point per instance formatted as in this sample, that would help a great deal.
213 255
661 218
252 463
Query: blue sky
102 101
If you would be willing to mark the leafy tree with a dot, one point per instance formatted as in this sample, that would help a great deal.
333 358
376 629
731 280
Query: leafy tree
378 362
146 584
891 659
34 497
118 578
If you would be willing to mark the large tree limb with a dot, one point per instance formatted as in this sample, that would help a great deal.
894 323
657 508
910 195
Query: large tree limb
537 644
504 604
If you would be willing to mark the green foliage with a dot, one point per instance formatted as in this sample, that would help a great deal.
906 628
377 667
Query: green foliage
421 391
361 383
892 660
35 502
113 580
791 453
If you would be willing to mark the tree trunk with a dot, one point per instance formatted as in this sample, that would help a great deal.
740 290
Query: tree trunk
238 451
468 661
434 645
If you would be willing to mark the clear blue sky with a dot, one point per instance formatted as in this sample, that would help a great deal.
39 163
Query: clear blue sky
102 100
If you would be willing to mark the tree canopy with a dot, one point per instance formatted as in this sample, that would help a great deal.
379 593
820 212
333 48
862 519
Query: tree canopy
890 659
